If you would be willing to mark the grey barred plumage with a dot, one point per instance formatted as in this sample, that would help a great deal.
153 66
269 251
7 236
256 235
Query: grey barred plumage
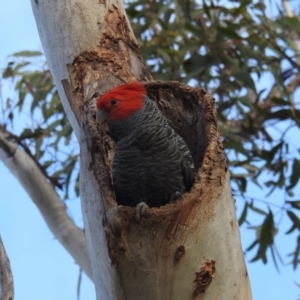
151 162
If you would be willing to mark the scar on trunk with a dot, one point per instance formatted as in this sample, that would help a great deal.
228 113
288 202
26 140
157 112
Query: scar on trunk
204 277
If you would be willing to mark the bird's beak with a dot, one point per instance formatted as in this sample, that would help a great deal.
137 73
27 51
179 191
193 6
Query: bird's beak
101 116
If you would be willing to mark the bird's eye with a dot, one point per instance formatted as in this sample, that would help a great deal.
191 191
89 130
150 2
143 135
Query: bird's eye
113 102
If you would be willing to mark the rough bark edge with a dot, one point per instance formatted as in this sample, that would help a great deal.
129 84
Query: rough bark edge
184 108
117 58
204 277
6 277
197 111
43 194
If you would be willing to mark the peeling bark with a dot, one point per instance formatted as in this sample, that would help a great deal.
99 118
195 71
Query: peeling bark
204 277
158 258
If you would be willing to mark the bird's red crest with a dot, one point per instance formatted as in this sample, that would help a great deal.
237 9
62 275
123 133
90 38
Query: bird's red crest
123 100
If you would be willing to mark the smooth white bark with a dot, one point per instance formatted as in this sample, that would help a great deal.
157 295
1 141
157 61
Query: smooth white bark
43 194
90 45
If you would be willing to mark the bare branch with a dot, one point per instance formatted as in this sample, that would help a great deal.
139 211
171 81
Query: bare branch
43 194
6 278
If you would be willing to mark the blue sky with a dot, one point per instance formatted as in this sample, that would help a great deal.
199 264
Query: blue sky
42 269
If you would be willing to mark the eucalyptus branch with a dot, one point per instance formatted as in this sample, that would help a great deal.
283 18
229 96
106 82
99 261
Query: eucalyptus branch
43 194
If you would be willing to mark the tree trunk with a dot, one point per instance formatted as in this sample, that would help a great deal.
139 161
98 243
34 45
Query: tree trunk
189 249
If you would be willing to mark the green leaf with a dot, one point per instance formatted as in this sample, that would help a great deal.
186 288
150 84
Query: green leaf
265 238
238 147
198 63
11 116
206 9
245 77
28 53
280 101
294 203
8 72
294 219
38 147
296 253
47 164
163 53
229 32
291 21
293 227
244 214
295 174
27 132
20 66
257 210
252 245
246 101
241 182
274 257
275 149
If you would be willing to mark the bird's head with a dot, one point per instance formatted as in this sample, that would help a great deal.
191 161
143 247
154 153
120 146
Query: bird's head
120 102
